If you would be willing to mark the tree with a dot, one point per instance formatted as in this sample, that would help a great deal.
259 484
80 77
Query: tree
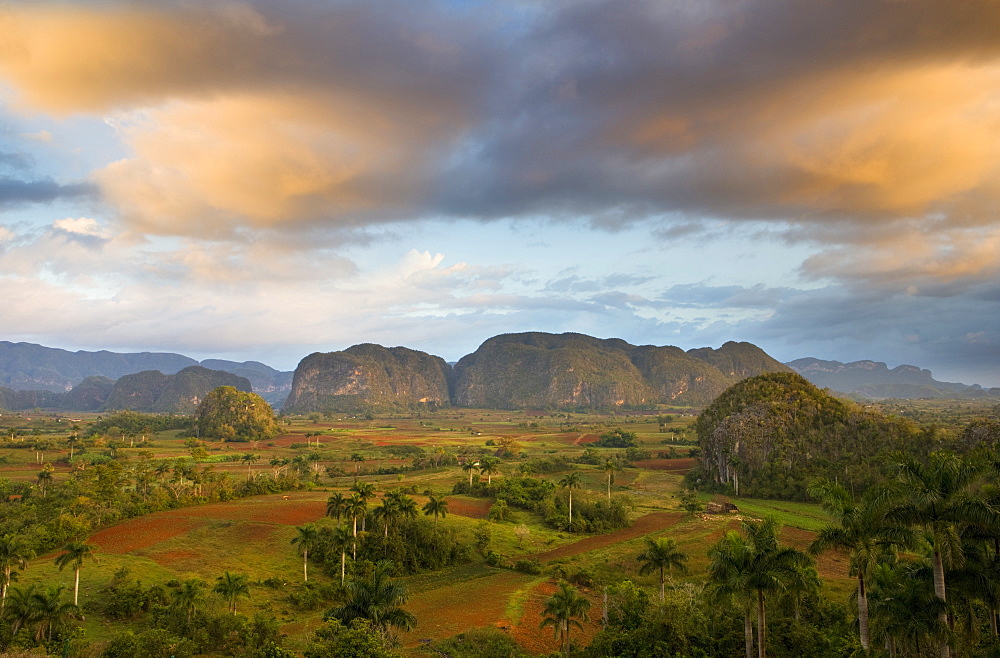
307 539
232 586
339 539
862 531
75 554
937 497
44 478
14 554
365 491
376 599
489 466
40 608
569 482
230 414
249 459
562 610
617 438
610 466
188 595
471 467
661 555
750 566
438 507
336 505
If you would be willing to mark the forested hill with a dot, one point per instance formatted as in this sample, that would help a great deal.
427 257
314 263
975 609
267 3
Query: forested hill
770 435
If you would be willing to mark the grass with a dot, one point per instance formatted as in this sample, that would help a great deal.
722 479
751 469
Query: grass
234 537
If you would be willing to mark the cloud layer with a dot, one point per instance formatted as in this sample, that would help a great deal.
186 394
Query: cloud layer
867 133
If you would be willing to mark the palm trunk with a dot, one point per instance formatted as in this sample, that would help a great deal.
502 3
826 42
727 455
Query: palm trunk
76 588
993 621
939 591
305 565
609 487
6 586
863 612
343 566
748 633
571 509
662 591
761 626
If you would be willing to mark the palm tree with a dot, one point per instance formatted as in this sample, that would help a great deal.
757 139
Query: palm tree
365 491
377 599
436 506
188 595
45 478
14 554
355 507
661 554
489 466
861 530
232 586
610 466
249 459
905 613
753 565
75 554
938 497
562 610
471 467
47 610
307 539
570 481
336 504
339 538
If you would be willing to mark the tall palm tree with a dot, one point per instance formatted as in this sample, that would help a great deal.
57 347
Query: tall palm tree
356 507
569 482
75 554
905 613
48 611
336 504
490 466
14 554
365 491
609 467
249 459
471 467
661 555
754 564
862 531
339 539
938 497
188 595
44 478
232 586
307 539
436 506
562 610
377 599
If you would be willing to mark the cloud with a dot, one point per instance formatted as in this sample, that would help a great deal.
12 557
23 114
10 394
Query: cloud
15 192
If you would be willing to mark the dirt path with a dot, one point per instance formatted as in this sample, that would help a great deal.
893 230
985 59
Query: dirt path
642 526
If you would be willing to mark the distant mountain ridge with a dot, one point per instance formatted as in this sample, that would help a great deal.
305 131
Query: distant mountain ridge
875 380
523 371
29 367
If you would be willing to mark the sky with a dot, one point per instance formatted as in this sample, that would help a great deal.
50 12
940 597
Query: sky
265 179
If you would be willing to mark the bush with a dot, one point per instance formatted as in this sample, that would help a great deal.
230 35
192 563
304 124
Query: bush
530 566
479 643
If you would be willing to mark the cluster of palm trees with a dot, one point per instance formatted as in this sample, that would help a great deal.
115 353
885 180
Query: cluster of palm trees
377 599
945 510
396 507
488 466
924 549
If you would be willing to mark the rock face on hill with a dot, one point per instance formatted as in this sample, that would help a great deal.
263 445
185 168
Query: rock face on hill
874 379
539 370
153 391
368 377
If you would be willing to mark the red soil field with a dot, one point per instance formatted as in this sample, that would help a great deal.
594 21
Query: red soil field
265 509
142 532
473 509
542 641
679 466
642 526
